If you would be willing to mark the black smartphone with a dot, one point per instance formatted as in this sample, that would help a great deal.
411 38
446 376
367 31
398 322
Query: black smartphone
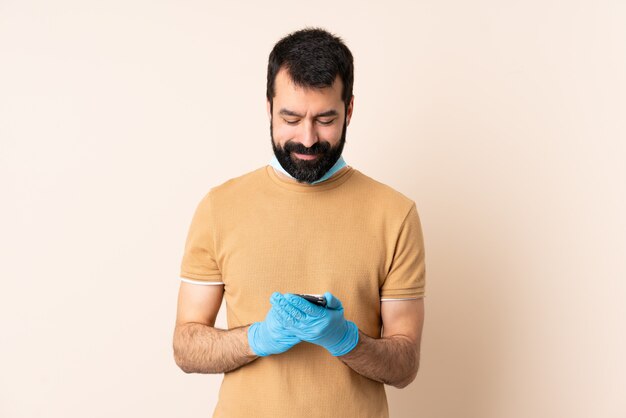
316 299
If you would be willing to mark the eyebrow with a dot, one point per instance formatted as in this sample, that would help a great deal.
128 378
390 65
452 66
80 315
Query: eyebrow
287 112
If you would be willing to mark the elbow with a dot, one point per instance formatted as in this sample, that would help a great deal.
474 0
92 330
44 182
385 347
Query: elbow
404 383
183 366
187 365
187 370
179 354
181 363
408 379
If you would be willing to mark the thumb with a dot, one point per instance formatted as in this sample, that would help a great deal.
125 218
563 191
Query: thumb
332 302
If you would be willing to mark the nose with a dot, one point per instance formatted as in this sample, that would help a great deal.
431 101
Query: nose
308 135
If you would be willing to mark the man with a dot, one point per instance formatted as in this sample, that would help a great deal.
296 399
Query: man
306 223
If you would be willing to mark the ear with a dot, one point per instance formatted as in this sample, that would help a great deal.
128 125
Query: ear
349 111
269 113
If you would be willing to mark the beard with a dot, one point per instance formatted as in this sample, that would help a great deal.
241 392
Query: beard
308 171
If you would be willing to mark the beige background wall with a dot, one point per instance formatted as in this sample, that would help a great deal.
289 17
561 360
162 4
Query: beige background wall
503 120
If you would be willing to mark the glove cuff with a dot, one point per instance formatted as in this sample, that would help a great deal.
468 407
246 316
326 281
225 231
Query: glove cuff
347 342
253 339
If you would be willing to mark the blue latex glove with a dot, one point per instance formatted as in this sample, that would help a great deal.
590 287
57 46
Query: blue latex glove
270 336
324 326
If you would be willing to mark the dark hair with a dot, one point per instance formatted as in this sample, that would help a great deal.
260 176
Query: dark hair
313 57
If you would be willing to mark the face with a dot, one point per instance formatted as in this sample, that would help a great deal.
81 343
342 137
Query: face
307 127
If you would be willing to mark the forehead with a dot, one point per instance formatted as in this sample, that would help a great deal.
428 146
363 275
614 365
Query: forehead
288 94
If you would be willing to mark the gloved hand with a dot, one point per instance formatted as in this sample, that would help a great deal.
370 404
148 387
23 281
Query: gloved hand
324 326
270 336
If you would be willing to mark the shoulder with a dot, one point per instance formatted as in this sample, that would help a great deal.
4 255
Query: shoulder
231 190
234 187
381 194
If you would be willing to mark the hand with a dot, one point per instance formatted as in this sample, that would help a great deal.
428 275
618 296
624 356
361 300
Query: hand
270 336
326 327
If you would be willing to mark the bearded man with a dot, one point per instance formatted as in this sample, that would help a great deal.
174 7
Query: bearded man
321 266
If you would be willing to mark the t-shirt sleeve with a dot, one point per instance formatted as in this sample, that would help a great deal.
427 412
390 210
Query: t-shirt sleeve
406 278
199 265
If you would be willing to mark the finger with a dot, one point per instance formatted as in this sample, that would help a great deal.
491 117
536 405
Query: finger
303 305
284 317
275 298
332 302
294 310
290 326
279 300
295 314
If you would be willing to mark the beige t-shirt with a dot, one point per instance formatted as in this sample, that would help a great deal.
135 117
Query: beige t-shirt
350 235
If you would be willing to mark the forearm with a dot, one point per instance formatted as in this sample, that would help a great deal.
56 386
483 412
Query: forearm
199 348
391 360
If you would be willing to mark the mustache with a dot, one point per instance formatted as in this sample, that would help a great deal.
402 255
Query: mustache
317 148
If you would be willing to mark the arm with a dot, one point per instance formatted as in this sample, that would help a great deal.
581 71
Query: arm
394 358
198 346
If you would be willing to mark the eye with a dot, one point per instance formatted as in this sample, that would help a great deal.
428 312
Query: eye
326 122
291 122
